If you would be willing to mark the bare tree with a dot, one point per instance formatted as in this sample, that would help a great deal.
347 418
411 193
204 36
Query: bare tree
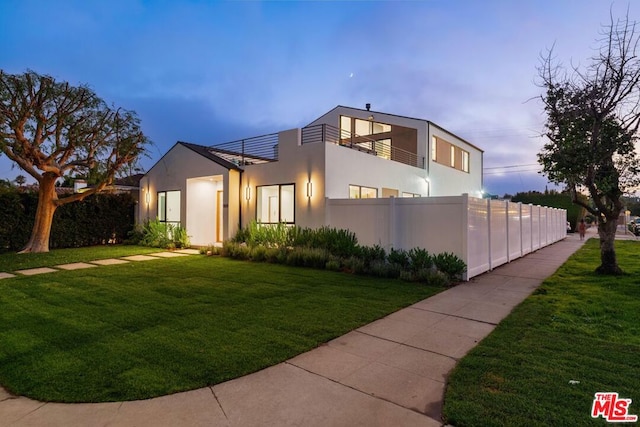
593 115
53 129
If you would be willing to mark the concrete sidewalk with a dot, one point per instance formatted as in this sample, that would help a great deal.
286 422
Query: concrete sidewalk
391 372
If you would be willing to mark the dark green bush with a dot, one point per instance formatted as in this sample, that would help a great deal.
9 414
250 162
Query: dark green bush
354 265
334 263
399 257
103 218
382 268
450 264
420 259
338 250
371 254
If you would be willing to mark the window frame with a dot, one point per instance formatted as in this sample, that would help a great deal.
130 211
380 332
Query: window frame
360 187
162 216
258 195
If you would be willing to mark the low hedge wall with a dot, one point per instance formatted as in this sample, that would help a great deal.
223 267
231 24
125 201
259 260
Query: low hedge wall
99 219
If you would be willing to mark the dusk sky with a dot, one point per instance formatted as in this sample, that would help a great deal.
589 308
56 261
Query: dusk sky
209 72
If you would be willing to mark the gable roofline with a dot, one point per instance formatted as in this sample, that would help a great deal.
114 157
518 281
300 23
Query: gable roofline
204 152
429 122
198 149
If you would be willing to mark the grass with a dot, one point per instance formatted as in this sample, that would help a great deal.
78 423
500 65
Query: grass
578 326
152 328
12 261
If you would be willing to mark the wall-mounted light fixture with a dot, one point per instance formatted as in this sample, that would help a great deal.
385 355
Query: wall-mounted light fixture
147 197
247 193
309 189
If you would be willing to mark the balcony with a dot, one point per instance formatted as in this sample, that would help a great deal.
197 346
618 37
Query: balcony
375 147
250 151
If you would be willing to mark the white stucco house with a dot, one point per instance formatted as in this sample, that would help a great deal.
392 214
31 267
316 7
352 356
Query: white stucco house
288 176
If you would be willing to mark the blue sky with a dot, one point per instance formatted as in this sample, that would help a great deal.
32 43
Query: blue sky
209 72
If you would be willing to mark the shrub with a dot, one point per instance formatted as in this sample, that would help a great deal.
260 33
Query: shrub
179 237
154 234
399 257
432 277
314 257
381 268
354 265
450 264
210 250
100 219
275 255
371 254
420 259
258 253
333 263
235 250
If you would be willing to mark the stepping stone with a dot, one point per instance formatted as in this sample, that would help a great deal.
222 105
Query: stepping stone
139 258
75 266
34 271
188 251
168 254
109 261
6 275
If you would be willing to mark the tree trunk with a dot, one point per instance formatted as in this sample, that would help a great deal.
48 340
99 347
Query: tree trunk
39 241
608 260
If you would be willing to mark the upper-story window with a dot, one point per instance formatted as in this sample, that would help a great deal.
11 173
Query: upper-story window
361 127
448 154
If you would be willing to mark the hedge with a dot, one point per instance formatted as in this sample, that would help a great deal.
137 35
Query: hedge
99 219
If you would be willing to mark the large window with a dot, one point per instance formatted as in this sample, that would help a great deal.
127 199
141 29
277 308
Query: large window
361 192
275 204
448 154
360 127
169 207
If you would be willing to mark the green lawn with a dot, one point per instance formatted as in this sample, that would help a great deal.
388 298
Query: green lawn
12 261
156 327
578 326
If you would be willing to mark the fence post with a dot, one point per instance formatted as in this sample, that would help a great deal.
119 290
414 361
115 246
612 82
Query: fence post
327 211
490 258
465 234
392 222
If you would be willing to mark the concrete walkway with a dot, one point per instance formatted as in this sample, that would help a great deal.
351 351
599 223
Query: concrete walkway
391 372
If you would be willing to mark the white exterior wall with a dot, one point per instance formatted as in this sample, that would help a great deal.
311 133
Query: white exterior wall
448 181
297 164
172 173
445 180
333 118
345 166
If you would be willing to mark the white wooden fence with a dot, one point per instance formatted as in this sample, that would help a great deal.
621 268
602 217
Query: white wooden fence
484 233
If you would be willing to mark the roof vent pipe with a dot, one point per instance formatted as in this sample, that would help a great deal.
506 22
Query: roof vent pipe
368 106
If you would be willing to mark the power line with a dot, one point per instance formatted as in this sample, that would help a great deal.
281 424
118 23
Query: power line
512 166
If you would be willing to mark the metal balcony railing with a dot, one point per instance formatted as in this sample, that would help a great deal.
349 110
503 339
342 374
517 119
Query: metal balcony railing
250 151
366 144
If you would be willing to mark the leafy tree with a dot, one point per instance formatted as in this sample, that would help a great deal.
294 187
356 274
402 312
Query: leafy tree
20 180
52 129
593 114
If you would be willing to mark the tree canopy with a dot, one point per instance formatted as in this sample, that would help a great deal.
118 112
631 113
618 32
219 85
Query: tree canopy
53 129
593 115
